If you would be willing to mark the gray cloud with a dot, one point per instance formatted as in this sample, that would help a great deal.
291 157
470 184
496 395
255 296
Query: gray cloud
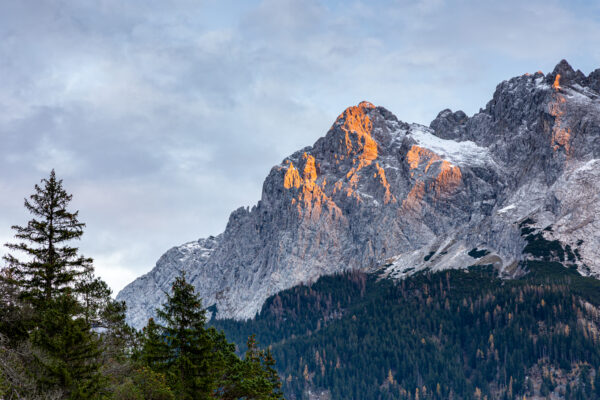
162 117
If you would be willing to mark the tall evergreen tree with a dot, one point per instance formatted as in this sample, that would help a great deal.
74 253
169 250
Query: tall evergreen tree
14 314
72 349
50 277
50 266
254 377
191 363
155 351
199 362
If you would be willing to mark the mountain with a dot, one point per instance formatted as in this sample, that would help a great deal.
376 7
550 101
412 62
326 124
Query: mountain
379 193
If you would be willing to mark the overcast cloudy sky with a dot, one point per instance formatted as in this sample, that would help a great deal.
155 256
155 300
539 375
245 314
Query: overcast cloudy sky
164 116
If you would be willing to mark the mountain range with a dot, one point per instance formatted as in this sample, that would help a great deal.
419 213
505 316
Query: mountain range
515 182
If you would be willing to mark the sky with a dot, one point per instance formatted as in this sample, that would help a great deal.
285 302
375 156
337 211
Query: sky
162 117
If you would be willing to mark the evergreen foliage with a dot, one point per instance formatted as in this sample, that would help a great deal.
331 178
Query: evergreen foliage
191 358
48 278
197 360
62 336
455 334
144 384
50 267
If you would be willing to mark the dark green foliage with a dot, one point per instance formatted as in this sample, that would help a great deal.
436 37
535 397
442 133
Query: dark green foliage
155 350
62 336
540 247
453 333
197 360
50 266
94 296
478 253
50 299
72 349
547 250
143 384
587 288
428 256
195 357
15 315
254 377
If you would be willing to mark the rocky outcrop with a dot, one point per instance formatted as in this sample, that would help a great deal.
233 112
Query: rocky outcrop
147 292
375 189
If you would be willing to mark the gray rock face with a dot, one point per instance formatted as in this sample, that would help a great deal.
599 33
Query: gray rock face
377 191
147 292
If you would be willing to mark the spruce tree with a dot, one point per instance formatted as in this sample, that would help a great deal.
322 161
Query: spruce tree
198 361
50 277
50 266
254 377
14 314
155 351
72 348
191 362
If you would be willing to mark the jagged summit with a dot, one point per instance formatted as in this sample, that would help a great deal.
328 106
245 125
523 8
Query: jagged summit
375 190
564 74
449 125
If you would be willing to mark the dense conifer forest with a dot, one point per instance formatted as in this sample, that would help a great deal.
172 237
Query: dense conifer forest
457 334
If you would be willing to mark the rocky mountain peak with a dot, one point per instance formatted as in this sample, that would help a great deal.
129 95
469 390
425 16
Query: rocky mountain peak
594 80
449 125
357 127
375 190
563 74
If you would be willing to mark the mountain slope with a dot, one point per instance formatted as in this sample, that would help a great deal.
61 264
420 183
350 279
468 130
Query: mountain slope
376 190
462 334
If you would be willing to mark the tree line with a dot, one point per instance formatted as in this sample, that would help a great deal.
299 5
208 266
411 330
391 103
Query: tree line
62 336
456 334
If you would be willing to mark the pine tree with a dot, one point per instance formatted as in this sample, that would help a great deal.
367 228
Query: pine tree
72 349
192 362
155 351
14 314
51 279
51 266
94 296
271 374
254 377
198 361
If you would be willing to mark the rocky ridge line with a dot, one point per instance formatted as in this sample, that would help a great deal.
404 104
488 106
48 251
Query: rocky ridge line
376 190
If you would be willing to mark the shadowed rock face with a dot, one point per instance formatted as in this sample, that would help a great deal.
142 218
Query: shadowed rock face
376 191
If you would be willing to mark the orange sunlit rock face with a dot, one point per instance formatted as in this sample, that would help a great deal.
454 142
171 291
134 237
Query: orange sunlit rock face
292 177
357 149
310 170
561 134
556 84
388 196
414 197
357 127
359 145
310 200
445 183
448 179
418 155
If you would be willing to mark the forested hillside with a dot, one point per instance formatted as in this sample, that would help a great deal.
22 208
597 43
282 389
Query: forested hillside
462 334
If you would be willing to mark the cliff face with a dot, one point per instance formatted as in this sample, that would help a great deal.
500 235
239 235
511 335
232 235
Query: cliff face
377 191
